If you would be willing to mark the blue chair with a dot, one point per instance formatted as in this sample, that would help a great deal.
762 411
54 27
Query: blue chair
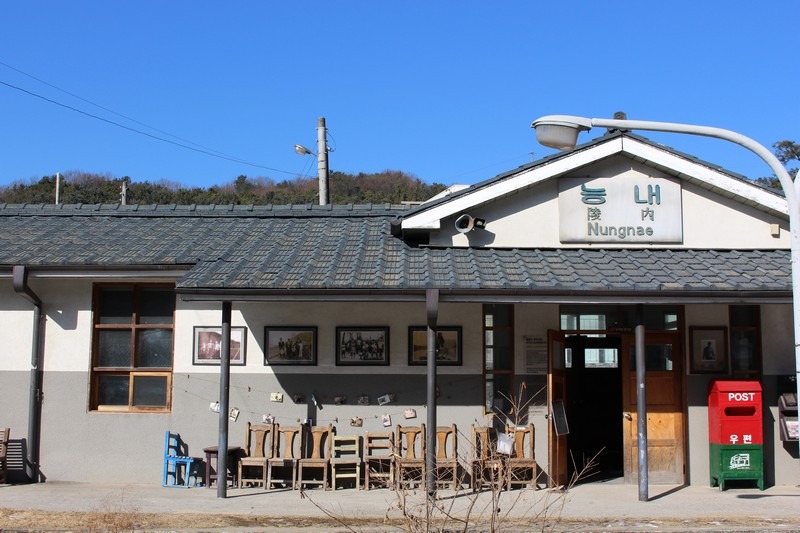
179 469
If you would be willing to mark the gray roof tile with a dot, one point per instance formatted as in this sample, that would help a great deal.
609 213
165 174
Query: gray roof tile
318 248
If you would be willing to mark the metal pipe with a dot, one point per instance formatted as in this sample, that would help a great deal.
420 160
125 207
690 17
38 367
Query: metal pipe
224 400
432 309
36 378
641 403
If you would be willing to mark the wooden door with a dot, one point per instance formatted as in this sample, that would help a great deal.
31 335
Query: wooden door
665 409
558 450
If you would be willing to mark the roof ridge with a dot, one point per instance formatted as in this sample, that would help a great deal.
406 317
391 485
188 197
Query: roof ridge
204 210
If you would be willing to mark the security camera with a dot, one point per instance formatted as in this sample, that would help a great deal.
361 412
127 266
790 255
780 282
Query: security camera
466 223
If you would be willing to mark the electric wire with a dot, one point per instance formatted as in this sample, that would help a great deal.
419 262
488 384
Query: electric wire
144 133
109 110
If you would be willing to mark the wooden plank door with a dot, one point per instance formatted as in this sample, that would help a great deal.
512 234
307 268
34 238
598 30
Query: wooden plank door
558 450
665 408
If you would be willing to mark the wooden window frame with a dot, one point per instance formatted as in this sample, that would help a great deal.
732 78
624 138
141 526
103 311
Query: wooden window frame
756 330
132 371
511 371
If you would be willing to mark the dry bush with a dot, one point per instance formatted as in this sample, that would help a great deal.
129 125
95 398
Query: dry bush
113 515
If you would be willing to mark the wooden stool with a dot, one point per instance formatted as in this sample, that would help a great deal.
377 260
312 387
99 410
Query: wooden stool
212 454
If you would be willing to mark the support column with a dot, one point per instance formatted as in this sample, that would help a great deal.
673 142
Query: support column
224 400
432 307
641 404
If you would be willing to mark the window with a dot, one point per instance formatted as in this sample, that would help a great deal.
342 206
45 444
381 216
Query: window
618 317
132 348
498 358
745 339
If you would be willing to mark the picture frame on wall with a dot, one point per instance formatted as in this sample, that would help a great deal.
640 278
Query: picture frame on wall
362 346
448 345
290 345
207 345
709 350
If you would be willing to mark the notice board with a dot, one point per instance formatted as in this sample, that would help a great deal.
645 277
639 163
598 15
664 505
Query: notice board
560 418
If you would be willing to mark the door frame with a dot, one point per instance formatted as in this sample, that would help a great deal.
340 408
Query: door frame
558 448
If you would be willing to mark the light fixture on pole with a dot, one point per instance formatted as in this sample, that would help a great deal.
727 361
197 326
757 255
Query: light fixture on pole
322 159
299 149
561 132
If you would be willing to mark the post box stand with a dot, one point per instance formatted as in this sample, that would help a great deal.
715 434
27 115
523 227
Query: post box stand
741 462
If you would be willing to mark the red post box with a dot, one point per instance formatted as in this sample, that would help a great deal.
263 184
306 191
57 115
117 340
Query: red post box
735 431
735 413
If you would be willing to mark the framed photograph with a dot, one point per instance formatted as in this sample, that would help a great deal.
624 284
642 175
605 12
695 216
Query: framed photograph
362 346
448 345
290 345
709 350
208 345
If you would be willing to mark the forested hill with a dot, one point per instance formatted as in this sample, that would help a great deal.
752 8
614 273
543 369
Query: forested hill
76 187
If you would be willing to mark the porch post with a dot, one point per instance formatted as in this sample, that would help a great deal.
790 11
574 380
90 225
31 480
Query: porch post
641 403
432 307
224 397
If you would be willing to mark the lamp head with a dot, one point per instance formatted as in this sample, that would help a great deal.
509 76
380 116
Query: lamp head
466 223
560 131
299 149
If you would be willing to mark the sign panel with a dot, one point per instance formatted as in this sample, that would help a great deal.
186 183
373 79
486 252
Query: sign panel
631 207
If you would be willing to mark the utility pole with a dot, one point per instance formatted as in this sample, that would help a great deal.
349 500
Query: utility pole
123 194
322 161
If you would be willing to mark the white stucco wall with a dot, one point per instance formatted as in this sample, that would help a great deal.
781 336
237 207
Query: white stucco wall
326 317
67 424
530 218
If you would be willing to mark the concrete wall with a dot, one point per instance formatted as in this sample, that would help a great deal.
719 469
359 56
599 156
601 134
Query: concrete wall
778 356
78 444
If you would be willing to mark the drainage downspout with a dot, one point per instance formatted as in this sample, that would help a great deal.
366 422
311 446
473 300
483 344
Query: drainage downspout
35 398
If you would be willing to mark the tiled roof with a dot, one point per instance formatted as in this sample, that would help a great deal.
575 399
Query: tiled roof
586 146
351 248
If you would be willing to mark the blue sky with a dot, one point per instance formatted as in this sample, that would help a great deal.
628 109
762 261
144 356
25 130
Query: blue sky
445 90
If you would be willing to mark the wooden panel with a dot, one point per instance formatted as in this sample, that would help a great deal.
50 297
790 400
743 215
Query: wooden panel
665 418
660 390
557 388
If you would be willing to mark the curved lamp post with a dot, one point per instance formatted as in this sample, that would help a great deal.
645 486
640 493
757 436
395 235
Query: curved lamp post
561 132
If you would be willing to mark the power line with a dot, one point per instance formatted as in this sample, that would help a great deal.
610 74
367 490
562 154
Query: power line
198 149
108 110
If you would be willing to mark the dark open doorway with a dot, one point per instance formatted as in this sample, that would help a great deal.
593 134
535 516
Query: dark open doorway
594 407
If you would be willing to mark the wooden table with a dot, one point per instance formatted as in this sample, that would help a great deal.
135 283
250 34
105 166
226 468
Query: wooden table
212 454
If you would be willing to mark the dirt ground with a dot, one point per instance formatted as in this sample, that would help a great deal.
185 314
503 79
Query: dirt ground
114 521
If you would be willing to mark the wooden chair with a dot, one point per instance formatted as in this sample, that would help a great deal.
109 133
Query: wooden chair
4 436
316 458
282 466
259 444
447 456
410 455
522 463
485 463
346 459
180 470
379 459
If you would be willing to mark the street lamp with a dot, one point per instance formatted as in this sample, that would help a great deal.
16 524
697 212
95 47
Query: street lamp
561 132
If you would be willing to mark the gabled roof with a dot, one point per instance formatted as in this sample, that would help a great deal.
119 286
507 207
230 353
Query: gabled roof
428 216
271 252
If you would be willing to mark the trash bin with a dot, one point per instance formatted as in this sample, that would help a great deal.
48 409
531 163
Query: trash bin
735 431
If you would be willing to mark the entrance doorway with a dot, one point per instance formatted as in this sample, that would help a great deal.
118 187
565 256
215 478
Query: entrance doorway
594 377
594 406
